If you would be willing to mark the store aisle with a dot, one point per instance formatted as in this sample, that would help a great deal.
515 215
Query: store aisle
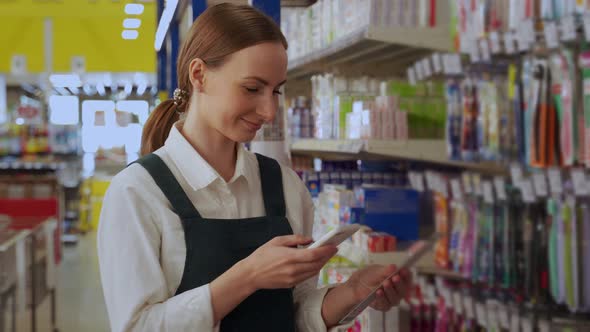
80 302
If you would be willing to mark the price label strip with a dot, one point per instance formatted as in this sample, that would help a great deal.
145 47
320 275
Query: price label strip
416 252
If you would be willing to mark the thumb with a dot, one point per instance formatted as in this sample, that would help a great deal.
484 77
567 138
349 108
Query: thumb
291 240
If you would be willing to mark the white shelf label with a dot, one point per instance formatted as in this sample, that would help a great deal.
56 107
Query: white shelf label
587 26
544 326
484 47
568 28
515 322
419 182
411 75
527 324
437 63
488 194
500 187
526 189
503 317
526 35
467 183
540 184
492 314
456 189
469 310
579 182
458 303
456 63
481 313
516 174
476 182
495 42
551 36
426 68
555 182
419 71
350 147
509 43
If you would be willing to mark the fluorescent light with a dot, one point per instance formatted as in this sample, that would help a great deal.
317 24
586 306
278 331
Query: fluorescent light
141 87
128 88
131 23
129 34
133 9
63 110
100 89
65 81
75 91
164 23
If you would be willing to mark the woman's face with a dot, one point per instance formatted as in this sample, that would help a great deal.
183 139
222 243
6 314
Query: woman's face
237 98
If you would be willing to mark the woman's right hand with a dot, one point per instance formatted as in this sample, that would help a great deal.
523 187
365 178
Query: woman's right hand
279 264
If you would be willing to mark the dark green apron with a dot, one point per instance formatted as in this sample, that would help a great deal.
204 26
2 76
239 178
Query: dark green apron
215 245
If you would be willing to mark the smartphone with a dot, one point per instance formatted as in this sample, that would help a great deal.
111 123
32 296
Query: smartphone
415 252
336 236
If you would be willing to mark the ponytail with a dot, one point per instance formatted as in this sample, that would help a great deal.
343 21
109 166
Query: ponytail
158 125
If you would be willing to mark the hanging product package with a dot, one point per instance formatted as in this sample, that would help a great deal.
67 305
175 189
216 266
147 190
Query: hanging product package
585 65
454 115
469 135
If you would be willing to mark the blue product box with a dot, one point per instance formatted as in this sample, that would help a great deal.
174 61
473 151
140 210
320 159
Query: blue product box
391 210
313 184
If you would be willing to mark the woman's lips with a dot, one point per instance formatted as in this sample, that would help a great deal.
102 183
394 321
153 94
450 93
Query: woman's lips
255 126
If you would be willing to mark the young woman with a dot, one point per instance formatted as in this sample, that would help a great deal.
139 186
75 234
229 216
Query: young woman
202 235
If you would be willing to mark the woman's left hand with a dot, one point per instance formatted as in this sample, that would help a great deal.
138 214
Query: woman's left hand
390 294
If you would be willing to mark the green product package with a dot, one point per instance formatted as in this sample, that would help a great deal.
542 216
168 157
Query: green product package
344 107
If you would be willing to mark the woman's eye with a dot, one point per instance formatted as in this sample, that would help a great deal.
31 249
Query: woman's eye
277 93
252 90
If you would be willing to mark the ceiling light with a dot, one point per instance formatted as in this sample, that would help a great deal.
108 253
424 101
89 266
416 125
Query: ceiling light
129 34
100 89
133 9
131 23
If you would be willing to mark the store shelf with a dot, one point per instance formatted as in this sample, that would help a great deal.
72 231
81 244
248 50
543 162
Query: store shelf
361 257
373 50
436 271
431 151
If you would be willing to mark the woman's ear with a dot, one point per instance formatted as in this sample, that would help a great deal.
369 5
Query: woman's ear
197 69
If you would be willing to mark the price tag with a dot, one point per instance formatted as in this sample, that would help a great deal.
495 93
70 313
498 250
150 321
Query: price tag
419 71
426 67
579 182
446 294
488 194
429 182
500 187
481 313
469 310
526 188
555 183
467 183
484 48
540 184
495 42
568 28
509 43
530 31
515 322
492 314
437 63
456 189
412 179
516 174
551 38
444 188
503 317
419 178
527 324
457 303
431 292
587 27
411 75
525 34
476 182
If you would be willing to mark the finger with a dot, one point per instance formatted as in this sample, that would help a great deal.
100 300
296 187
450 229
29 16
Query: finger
320 254
291 240
378 274
402 289
390 293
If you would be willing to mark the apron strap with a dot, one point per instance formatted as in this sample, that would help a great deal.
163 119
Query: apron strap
271 180
164 178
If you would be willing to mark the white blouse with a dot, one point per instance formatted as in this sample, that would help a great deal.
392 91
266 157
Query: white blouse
142 250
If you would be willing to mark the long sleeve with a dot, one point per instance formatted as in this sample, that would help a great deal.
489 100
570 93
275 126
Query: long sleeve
134 284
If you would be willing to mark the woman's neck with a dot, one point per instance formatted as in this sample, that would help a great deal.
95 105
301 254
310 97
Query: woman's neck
219 151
